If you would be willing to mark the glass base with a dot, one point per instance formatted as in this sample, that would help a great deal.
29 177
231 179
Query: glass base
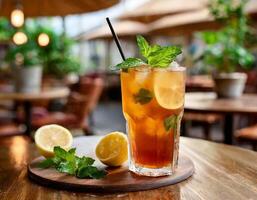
164 171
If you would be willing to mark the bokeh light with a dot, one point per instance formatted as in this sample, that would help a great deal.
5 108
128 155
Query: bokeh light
20 38
43 39
17 18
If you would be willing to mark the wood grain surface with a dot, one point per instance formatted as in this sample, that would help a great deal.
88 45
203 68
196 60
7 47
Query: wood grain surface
208 102
118 179
221 172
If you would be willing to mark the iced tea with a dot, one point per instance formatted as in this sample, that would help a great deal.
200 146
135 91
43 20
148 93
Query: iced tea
152 101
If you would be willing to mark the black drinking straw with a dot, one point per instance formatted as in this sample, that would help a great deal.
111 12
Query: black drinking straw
115 38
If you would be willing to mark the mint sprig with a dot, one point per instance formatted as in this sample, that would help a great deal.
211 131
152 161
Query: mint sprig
170 122
143 96
67 162
129 63
155 56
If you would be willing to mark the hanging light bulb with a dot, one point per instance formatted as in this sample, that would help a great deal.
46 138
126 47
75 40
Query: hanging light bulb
20 38
43 39
17 18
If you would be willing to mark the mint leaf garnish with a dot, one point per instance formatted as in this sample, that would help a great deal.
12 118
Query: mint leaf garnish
155 55
90 172
129 63
46 163
163 56
67 162
68 167
170 122
143 96
143 45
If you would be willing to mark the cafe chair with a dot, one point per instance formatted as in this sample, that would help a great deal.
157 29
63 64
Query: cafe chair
249 135
205 119
80 105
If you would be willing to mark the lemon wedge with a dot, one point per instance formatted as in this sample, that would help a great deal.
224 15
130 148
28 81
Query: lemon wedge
49 136
112 149
169 89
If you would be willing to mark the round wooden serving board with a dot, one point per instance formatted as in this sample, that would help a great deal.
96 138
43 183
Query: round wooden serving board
118 179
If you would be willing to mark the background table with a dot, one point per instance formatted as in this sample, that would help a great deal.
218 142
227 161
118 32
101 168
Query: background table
221 172
207 102
27 99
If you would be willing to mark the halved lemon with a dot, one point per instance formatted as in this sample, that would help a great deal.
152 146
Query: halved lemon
169 89
49 136
112 149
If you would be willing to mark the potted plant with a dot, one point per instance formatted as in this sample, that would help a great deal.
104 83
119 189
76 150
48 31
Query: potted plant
30 60
27 67
225 49
57 57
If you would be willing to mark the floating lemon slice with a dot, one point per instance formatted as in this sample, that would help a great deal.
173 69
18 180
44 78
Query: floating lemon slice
169 89
112 149
49 136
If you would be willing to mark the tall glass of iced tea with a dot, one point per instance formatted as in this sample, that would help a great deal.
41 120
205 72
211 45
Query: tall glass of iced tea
152 101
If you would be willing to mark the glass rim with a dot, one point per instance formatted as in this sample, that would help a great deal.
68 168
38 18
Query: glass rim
167 69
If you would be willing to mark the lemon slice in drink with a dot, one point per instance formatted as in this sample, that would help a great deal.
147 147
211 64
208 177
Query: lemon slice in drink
49 136
169 88
112 149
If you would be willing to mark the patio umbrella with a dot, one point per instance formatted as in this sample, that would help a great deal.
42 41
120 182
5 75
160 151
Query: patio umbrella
155 9
124 29
188 22
35 8
184 24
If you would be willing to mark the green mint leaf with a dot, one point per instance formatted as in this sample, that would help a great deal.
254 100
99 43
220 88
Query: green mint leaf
170 122
84 161
56 160
49 162
67 162
143 45
72 151
156 55
129 63
90 172
67 167
59 152
155 48
163 56
143 96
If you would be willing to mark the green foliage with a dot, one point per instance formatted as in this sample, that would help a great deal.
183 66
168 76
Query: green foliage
155 56
225 49
6 30
27 54
67 162
56 57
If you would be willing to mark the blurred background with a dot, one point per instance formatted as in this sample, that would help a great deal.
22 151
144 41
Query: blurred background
55 58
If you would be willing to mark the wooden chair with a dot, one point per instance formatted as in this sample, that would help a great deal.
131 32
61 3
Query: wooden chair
249 135
205 119
79 106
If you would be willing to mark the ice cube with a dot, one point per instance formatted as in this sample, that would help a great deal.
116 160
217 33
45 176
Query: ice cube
142 73
143 68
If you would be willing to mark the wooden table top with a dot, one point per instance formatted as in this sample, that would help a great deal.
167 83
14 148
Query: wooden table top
200 81
221 172
45 93
208 102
